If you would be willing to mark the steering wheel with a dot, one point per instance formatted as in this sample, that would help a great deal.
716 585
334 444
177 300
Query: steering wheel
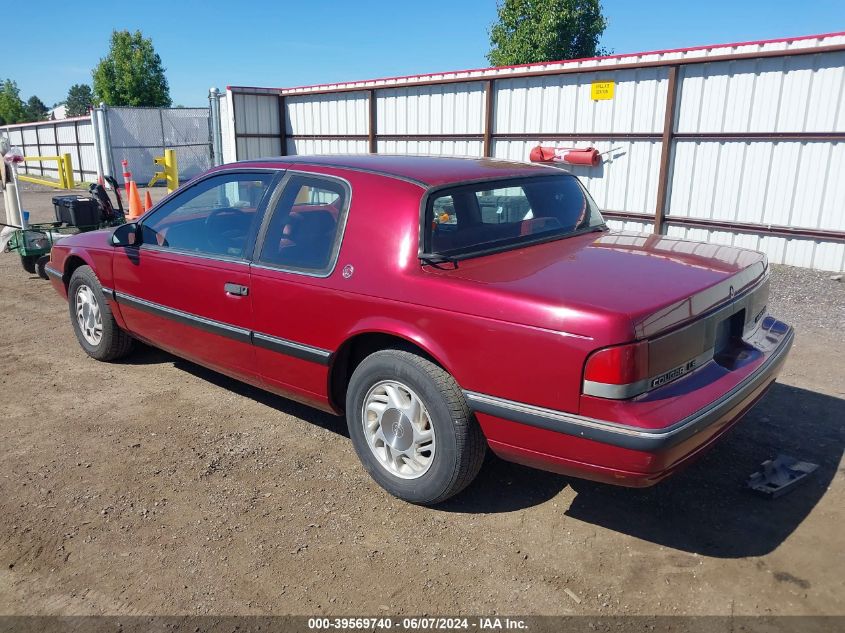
219 238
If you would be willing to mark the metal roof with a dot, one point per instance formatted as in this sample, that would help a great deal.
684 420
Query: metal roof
608 62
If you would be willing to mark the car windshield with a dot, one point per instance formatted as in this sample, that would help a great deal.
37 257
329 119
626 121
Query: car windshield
473 219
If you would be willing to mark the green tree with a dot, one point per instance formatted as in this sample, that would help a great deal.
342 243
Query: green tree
545 30
131 74
79 100
35 109
12 109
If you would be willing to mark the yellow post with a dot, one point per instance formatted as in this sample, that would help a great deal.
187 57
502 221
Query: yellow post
68 169
171 170
170 174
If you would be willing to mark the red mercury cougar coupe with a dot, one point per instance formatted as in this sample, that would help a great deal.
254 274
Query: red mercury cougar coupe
443 305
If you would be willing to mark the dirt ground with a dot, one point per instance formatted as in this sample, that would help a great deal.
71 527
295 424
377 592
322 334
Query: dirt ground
154 486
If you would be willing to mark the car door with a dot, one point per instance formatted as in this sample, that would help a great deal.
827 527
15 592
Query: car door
291 292
186 286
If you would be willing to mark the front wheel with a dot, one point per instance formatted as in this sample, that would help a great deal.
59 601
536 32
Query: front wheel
92 318
411 427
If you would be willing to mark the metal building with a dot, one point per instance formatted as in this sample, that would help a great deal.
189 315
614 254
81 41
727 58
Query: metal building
732 144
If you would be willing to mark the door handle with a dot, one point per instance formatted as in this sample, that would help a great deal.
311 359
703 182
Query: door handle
236 290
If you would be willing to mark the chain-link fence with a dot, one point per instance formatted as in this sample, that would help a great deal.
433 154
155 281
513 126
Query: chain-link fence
140 134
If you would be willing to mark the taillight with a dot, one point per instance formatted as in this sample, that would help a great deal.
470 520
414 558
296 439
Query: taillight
617 372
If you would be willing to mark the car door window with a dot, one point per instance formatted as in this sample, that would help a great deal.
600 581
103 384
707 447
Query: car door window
214 217
307 224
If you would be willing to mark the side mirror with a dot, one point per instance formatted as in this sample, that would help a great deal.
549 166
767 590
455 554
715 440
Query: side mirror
125 235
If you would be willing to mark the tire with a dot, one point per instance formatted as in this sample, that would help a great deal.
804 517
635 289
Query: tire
29 262
112 342
40 266
457 447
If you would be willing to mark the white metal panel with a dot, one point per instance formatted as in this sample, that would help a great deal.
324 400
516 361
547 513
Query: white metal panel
15 136
250 147
86 131
326 146
227 128
630 225
66 134
563 104
46 134
346 113
791 252
775 94
784 183
431 147
257 114
443 109
625 181
88 156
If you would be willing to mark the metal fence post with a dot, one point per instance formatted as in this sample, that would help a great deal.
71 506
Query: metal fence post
215 126
98 150
666 145
372 131
105 137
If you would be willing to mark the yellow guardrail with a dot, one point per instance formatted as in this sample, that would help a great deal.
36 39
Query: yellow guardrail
64 167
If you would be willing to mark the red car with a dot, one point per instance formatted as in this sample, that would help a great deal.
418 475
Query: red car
444 305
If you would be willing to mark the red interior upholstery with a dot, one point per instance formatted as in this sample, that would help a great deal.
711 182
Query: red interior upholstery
307 238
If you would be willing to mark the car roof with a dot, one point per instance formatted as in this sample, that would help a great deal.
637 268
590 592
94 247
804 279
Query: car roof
427 171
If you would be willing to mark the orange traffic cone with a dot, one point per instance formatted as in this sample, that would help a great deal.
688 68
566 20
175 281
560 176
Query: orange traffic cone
135 208
148 201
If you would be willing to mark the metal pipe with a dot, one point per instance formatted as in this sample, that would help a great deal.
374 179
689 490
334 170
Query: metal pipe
489 116
107 144
98 157
372 124
216 127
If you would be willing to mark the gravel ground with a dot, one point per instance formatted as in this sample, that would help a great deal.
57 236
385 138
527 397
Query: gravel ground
814 300
154 486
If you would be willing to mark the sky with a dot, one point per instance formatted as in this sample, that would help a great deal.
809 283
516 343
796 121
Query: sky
286 43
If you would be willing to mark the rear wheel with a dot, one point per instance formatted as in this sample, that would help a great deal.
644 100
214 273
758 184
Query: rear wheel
411 427
41 266
29 263
92 318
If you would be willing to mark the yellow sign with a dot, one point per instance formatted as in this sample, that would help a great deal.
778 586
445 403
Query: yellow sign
602 90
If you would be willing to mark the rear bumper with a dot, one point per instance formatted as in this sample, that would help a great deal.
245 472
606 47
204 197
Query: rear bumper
623 454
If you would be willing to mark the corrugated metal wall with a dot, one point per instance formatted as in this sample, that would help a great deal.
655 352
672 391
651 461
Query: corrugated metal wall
51 138
755 140
770 181
137 134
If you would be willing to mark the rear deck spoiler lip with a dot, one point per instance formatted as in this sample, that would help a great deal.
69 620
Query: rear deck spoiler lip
703 302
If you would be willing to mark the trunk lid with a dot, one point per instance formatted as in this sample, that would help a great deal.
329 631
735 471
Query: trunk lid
658 282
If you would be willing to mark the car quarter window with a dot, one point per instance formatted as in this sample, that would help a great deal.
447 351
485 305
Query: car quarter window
214 217
305 229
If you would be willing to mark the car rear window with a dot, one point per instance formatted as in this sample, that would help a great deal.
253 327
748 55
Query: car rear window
481 217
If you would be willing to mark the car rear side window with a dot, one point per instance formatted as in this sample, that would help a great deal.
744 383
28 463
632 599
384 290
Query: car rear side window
214 217
494 215
305 229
